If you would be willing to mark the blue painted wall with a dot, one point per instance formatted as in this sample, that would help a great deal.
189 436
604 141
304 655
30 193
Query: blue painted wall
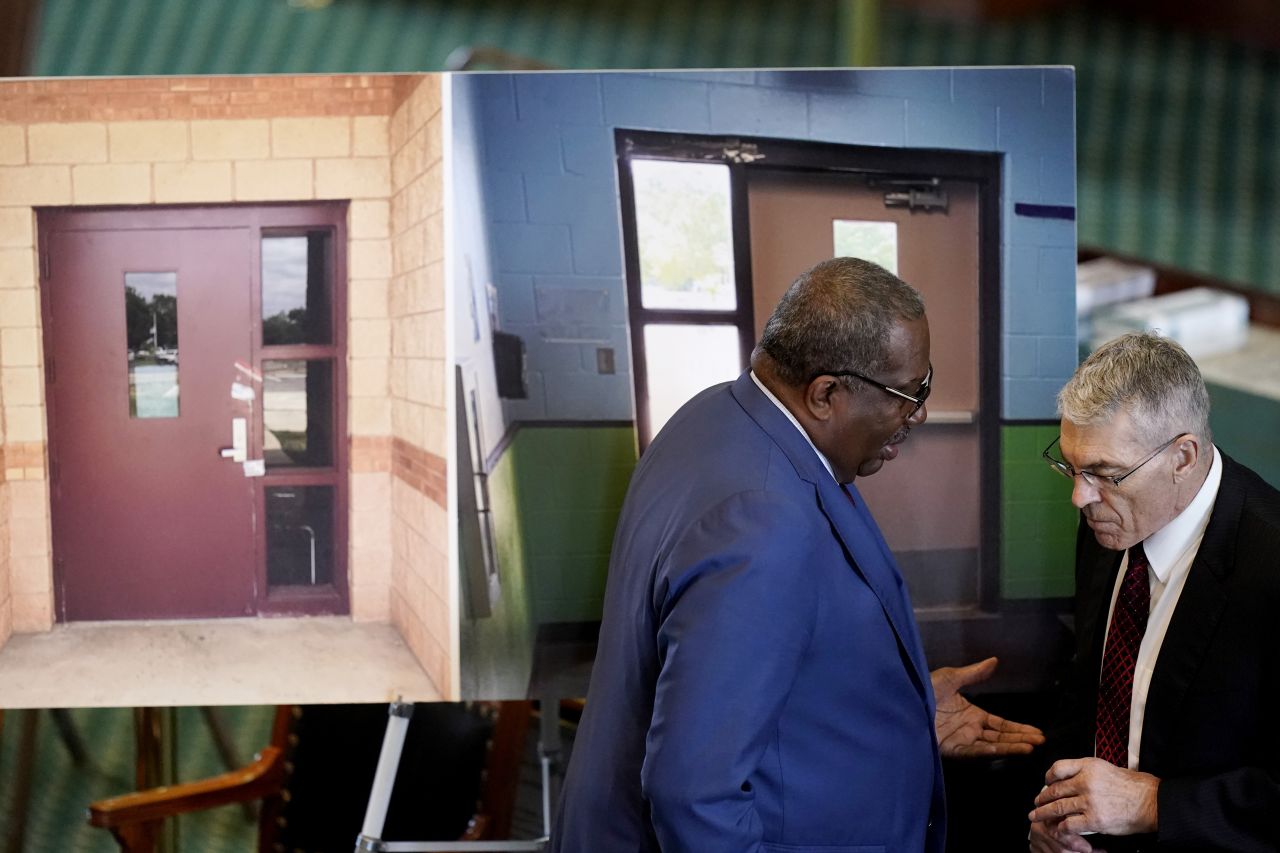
545 149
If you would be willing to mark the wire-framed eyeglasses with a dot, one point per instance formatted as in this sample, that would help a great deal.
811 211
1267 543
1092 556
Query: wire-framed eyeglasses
917 399
1098 480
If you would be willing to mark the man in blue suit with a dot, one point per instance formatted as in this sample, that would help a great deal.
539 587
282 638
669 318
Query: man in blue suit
760 683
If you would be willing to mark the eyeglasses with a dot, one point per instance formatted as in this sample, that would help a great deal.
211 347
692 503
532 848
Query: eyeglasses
917 400
1097 480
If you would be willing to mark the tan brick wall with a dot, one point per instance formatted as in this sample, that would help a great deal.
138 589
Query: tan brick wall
6 597
185 98
199 141
421 583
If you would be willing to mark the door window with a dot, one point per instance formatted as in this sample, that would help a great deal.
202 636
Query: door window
296 289
297 413
685 235
872 241
151 333
689 322
299 536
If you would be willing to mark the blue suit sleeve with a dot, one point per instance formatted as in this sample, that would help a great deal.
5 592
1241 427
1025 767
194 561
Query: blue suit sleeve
736 614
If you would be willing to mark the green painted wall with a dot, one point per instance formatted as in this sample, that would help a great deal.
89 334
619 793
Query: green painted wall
1246 426
497 651
571 483
555 495
1037 551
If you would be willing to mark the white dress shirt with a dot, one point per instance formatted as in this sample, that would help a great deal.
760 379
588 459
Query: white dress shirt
1170 552
826 463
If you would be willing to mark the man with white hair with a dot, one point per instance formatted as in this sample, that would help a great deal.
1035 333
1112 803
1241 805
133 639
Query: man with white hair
1177 620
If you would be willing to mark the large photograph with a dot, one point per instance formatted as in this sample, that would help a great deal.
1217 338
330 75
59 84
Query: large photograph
631 234
223 400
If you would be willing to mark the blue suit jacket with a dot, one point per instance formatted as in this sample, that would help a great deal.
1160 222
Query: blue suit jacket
760 683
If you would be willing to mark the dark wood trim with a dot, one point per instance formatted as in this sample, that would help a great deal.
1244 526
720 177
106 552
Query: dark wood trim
18 27
740 217
990 380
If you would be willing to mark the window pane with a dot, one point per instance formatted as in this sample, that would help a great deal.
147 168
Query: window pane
299 535
681 360
151 331
872 241
685 235
297 413
295 289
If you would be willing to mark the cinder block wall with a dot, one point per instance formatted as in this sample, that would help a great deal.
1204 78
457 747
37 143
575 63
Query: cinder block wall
421 584
195 140
6 605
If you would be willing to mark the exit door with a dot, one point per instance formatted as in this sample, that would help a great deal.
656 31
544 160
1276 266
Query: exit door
194 383
716 228
927 500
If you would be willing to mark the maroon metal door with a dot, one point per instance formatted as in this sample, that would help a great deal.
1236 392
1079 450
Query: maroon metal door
149 520
154 341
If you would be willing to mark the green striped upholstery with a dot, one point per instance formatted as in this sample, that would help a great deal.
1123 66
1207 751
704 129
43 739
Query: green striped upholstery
61 792
1179 136
239 36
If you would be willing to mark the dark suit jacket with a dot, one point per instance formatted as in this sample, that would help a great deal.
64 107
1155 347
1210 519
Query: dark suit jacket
1212 727
760 683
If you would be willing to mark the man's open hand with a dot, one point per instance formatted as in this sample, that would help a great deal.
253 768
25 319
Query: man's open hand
964 730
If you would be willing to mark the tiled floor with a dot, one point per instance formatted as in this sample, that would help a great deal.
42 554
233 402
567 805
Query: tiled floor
210 662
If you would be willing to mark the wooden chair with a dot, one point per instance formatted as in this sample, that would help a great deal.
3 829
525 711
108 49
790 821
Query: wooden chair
457 779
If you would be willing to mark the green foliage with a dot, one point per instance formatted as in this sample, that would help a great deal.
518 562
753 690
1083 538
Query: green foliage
286 327
684 234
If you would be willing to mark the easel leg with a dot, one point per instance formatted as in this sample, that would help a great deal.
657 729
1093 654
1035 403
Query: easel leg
375 815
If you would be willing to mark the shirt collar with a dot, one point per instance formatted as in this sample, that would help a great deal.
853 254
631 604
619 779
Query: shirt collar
1165 547
825 463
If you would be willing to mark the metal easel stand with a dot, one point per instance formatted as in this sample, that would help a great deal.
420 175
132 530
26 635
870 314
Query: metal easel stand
375 816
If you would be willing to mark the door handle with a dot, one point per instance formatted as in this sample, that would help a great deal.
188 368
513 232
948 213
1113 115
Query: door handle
239 449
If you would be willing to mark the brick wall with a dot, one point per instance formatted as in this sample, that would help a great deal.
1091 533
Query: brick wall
195 140
6 604
421 583
154 98
27 588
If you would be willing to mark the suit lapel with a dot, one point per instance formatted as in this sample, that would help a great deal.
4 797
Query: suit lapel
1191 629
873 560
852 522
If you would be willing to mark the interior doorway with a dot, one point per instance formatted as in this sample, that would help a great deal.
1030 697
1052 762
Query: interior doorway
195 383
798 220
769 209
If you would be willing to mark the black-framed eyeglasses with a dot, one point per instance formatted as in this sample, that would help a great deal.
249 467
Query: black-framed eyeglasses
1096 480
917 399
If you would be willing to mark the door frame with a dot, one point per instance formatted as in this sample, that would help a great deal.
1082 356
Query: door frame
745 154
258 219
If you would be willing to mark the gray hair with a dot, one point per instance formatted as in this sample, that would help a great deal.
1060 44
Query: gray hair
1150 377
837 316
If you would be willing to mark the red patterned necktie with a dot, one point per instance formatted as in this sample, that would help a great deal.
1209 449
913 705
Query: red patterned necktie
1115 688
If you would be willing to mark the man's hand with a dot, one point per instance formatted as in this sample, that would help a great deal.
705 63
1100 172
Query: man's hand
965 730
1089 794
1048 836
